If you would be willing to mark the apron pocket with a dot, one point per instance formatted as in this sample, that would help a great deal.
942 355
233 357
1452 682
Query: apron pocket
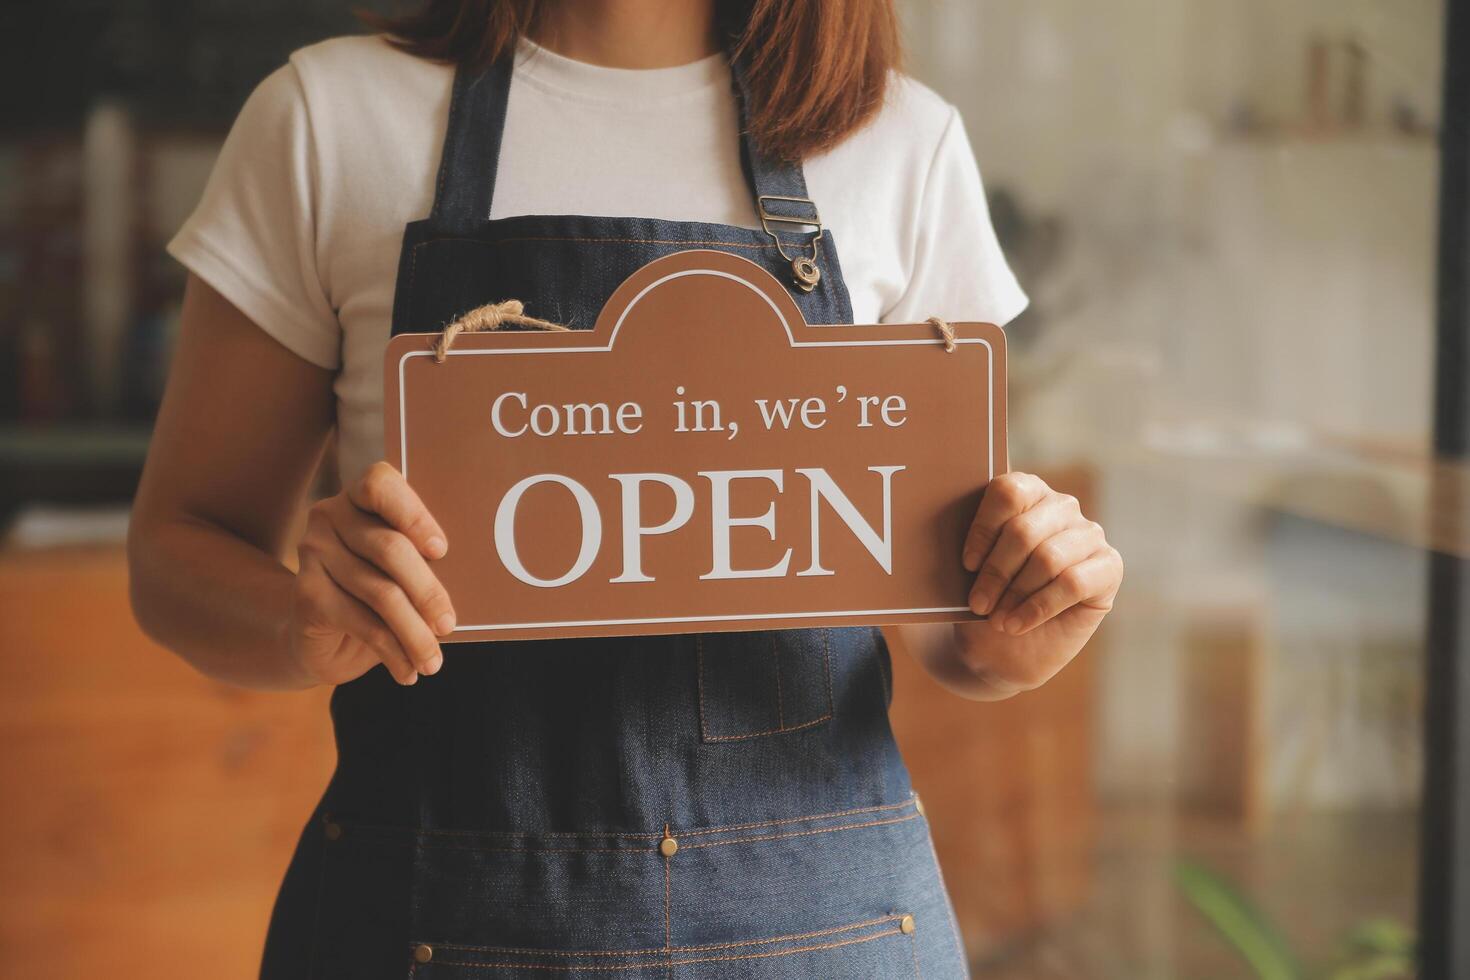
881 949
763 683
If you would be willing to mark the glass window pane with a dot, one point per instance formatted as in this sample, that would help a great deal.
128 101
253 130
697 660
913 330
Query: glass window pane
1225 215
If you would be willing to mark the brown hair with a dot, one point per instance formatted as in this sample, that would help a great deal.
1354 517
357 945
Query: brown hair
816 69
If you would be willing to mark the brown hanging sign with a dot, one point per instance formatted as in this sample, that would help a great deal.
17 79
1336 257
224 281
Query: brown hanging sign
702 459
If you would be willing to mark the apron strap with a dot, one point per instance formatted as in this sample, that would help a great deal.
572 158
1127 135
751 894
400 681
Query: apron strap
471 155
778 187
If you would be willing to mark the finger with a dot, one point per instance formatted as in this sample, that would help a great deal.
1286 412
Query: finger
1054 555
366 583
383 491
333 607
396 557
1004 497
1018 539
1091 582
367 628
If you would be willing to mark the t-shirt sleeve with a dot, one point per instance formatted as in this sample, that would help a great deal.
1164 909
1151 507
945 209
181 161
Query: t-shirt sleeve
253 236
959 270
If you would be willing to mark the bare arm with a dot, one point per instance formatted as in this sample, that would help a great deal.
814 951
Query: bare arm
238 438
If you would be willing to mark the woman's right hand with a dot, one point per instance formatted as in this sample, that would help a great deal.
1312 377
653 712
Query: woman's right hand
364 593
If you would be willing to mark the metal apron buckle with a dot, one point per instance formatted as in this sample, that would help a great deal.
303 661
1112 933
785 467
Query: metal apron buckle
804 269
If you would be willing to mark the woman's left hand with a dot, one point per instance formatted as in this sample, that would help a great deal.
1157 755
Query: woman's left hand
1045 576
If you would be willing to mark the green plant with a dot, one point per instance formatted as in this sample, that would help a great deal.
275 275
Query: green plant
1378 949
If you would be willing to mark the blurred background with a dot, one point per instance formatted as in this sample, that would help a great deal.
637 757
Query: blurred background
1226 215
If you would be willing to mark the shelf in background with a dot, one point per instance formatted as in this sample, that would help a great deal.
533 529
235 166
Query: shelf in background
1395 492
70 463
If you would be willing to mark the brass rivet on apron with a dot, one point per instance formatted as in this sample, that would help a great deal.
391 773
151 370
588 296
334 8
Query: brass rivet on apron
668 847
918 804
806 273
423 953
906 925
332 830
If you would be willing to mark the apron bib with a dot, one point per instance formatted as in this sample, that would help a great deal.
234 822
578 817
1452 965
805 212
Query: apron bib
700 807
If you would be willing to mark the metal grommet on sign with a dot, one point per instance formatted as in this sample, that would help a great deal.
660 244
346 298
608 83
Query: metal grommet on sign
668 847
906 925
423 953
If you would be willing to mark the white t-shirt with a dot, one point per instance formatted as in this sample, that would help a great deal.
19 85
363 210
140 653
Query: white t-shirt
301 221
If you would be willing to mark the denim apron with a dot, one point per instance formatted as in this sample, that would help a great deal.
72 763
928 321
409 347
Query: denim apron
699 807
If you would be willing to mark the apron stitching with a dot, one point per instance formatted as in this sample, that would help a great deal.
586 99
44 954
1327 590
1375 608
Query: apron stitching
914 952
683 962
448 832
444 846
769 731
635 852
815 816
593 241
804 833
781 726
711 948
413 262
668 926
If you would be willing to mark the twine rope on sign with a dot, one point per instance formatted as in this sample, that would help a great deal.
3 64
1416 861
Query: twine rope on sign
491 316
945 330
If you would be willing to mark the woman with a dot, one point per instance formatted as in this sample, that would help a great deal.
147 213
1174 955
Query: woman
596 806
